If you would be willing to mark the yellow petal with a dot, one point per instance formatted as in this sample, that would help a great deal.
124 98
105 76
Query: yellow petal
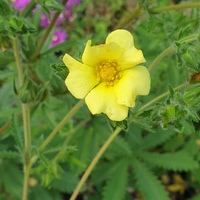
93 55
102 99
81 78
134 81
121 37
130 58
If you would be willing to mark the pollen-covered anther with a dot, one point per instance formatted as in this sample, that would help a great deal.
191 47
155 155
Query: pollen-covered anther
108 72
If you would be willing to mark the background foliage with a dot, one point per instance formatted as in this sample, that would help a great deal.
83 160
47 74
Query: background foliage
156 156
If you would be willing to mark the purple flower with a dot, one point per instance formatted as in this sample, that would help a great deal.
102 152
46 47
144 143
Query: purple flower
68 13
71 3
45 20
59 36
20 4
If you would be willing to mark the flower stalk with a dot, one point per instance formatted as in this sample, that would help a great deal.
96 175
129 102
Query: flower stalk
94 162
175 7
170 49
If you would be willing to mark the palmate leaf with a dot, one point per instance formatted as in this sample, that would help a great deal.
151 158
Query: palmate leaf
178 161
154 139
116 184
66 183
147 182
120 146
103 171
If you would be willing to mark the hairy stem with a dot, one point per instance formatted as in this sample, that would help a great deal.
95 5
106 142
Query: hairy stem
61 124
93 163
26 179
175 7
45 36
26 122
170 49
18 62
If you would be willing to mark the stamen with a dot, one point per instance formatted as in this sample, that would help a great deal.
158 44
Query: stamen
108 72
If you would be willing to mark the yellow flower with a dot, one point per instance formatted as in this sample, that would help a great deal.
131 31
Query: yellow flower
109 77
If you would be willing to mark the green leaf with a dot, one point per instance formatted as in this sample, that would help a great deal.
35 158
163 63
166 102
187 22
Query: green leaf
9 154
114 124
60 70
154 139
6 58
12 179
3 27
116 184
171 91
120 146
147 182
41 91
85 148
192 94
28 27
16 24
5 10
103 171
191 56
178 161
66 183
196 197
144 124
38 193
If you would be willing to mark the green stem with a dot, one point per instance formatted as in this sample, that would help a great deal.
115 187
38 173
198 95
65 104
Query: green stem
160 57
157 99
26 123
61 124
27 131
18 62
26 179
126 21
42 41
93 163
175 7
171 49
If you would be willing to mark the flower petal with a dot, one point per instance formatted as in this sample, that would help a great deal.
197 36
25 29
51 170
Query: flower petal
121 37
93 55
130 58
102 99
134 81
81 78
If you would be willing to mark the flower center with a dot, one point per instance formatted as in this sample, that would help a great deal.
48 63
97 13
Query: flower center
108 72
